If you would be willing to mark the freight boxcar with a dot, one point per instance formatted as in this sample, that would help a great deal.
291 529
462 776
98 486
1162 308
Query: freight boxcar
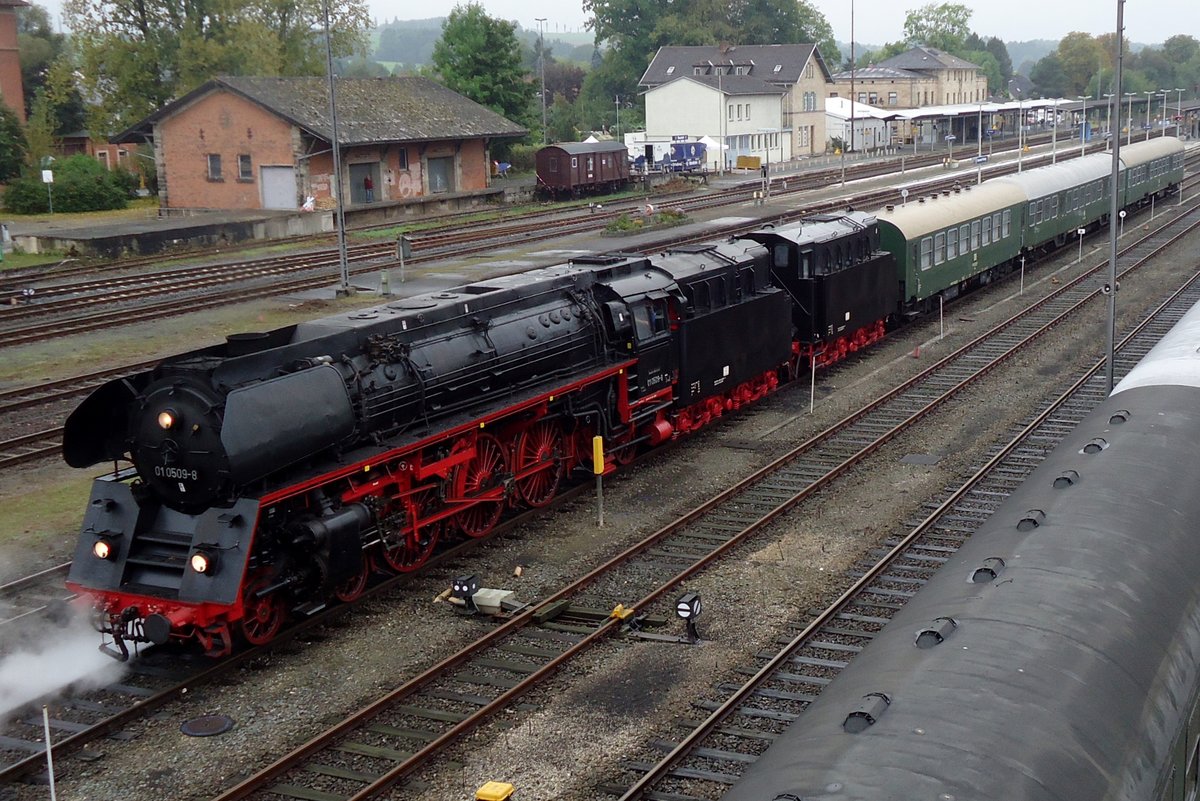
571 169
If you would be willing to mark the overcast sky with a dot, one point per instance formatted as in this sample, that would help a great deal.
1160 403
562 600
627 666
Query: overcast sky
881 21
875 21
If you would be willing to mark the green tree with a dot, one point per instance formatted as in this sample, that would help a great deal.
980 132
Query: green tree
12 144
479 56
562 121
945 26
1050 78
136 55
1080 57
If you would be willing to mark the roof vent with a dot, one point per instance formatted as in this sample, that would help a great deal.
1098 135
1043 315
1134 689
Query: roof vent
1067 478
988 571
1032 519
936 632
1095 446
920 200
1119 417
872 707
889 207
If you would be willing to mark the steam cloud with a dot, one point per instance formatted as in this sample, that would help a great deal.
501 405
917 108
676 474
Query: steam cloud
65 657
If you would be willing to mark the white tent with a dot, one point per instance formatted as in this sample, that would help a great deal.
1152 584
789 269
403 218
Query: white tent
712 144
591 140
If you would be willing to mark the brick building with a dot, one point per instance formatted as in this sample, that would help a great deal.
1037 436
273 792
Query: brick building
11 88
264 143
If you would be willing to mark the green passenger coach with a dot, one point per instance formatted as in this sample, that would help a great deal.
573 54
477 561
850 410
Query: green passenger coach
944 244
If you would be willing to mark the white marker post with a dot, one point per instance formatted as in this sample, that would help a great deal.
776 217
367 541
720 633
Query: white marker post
403 251
49 755
48 180
812 387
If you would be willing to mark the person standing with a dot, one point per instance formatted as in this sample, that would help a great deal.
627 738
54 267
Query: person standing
369 188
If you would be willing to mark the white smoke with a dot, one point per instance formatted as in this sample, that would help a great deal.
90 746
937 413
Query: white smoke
64 657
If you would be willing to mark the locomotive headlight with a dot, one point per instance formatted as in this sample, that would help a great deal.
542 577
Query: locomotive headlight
102 549
166 419
203 562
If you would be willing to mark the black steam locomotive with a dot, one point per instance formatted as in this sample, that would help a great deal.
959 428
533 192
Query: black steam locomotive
274 472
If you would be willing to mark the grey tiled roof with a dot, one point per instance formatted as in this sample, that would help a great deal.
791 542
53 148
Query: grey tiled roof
761 60
370 110
879 74
927 58
735 84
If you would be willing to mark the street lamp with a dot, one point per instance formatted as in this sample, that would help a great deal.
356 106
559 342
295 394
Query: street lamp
1083 129
1108 122
766 132
1020 131
1163 122
1179 116
344 287
1081 232
1148 95
542 70
979 152
1129 118
1054 135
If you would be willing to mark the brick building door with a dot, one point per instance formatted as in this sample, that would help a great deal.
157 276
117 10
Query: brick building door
279 188
441 175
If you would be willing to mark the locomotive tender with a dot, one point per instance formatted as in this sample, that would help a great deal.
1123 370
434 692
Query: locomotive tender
276 471
1074 671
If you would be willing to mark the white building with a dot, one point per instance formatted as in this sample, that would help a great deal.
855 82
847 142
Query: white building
872 126
758 100
743 112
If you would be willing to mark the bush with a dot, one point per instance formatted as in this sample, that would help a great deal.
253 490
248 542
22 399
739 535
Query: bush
521 157
81 183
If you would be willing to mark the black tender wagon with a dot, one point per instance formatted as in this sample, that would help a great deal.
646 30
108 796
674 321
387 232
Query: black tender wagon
576 168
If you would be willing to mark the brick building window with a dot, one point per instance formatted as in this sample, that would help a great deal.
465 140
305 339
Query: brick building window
402 157
214 166
245 167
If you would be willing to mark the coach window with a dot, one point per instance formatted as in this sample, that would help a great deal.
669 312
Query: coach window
996 226
1007 222
987 231
1054 207
975 235
939 248
574 162
927 253
964 239
952 243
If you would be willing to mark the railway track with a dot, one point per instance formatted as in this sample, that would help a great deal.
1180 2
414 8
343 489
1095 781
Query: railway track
714 752
452 221
16 326
392 739
582 619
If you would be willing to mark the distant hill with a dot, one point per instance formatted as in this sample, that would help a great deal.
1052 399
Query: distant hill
409 43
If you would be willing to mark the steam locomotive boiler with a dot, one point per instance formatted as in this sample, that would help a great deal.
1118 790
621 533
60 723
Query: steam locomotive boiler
267 475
